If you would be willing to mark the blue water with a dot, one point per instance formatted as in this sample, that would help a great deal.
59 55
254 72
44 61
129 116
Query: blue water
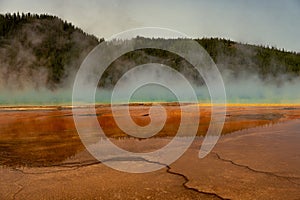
143 94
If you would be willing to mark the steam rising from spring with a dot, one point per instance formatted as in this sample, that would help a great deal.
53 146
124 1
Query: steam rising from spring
24 81
86 84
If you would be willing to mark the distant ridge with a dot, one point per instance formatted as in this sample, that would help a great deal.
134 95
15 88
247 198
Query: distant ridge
45 51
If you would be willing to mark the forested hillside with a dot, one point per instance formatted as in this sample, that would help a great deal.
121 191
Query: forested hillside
45 51
40 50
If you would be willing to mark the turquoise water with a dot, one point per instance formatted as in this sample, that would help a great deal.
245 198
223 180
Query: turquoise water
59 97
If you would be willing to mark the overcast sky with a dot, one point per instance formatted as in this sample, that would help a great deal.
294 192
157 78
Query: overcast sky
274 23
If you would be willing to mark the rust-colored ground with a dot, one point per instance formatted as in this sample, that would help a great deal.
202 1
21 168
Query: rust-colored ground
39 136
41 156
257 157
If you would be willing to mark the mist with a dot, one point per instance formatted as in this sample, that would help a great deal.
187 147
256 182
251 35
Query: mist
23 83
249 89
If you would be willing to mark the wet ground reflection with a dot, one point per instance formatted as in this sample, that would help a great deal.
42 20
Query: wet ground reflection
46 136
257 157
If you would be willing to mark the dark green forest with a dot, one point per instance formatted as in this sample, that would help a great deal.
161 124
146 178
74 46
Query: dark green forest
43 50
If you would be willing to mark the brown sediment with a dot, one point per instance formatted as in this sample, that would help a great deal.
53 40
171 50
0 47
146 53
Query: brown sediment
258 163
261 162
44 135
45 159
